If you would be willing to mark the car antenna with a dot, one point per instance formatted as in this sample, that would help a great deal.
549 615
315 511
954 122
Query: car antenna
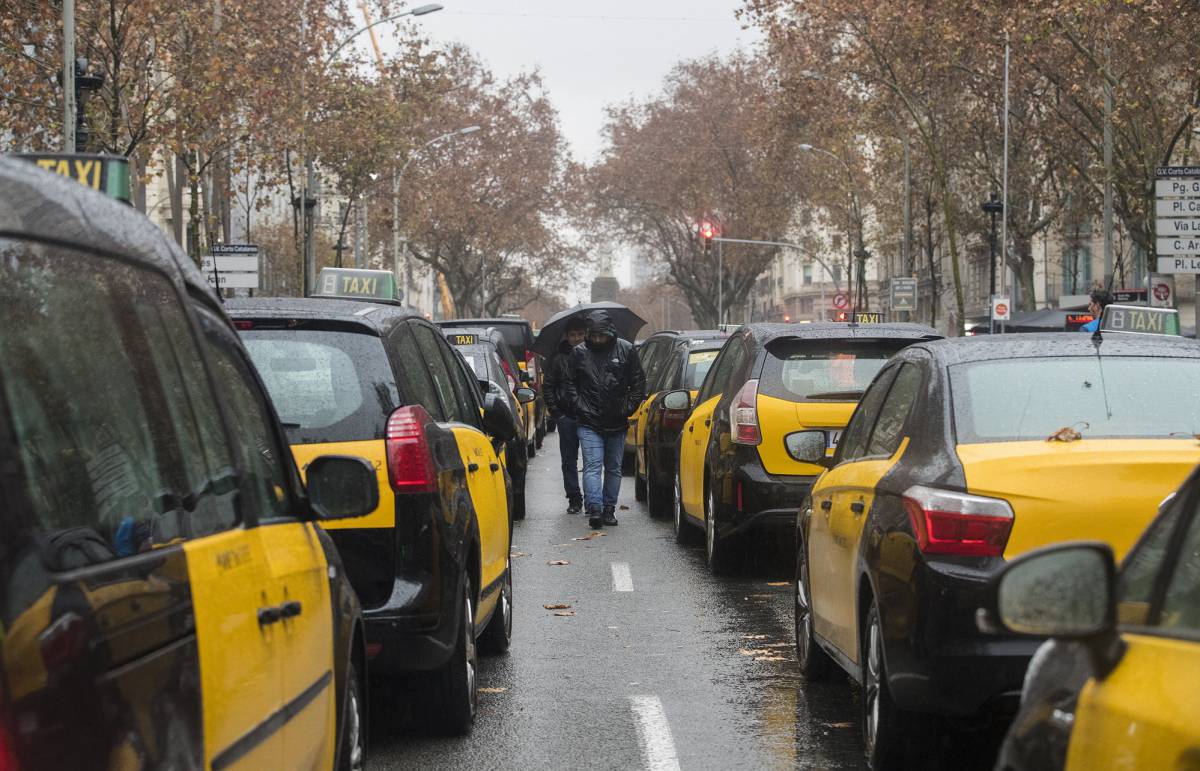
217 282
1097 338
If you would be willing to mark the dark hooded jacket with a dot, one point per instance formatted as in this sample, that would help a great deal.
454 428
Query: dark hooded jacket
604 385
554 385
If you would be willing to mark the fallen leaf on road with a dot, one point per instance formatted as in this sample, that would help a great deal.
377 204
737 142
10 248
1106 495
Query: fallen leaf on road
491 690
590 536
623 507
556 606
779 583
565 613
558 562
753 652
519 554
754 637
769 658
778 645
840 725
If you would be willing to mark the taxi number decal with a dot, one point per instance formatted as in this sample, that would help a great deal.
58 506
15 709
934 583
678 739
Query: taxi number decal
233 558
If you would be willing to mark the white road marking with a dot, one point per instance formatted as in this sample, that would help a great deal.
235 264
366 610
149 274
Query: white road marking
654 732
622 578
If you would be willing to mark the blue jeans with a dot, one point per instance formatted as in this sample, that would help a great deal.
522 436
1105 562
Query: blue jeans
602 450
568 450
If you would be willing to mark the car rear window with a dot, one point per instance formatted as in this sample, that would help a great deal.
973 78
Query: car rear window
698 364
327 385
1032 398
838 370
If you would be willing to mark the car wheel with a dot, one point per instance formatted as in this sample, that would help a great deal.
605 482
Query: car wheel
518 497
457 697
717 550
684 533
541 435
531 449
814 662
353 739
497 636
883 722
639 482
627 463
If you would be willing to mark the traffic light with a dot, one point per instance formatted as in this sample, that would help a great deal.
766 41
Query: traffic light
707 230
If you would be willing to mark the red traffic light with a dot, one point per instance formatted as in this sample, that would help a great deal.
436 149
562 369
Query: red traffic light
707 230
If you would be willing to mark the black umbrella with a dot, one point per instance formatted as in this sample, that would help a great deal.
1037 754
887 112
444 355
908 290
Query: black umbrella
626 321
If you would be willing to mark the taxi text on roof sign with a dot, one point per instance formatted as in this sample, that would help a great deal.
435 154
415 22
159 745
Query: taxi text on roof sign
108 174
1140 320
862 317
458 339
352 283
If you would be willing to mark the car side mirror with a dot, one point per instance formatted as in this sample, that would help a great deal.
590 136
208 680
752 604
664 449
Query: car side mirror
342 487
526 395
806 446
1066 591
677 400
498 418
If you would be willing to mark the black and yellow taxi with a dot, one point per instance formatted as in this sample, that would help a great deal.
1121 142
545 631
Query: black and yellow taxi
353 372
518 333
166 597
963 454
672 361
772 389
492 365
1118 685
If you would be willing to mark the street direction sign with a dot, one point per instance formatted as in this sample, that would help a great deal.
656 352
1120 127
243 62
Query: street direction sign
1165 246
1177 207
1163 172
1178 227
904 293
1182 187
1179 264
1129 296
236 264
234 249
233 280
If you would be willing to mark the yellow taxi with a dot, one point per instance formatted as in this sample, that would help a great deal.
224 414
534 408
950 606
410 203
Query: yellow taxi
772 389
355 372
964 454
167 599
671 361
1118 686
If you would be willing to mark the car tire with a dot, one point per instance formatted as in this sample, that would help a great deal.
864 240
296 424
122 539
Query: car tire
352 743
497 635
531 449
659 499
685 534
718 551
885 725
814 663
455 683
628 462
639 482
540 435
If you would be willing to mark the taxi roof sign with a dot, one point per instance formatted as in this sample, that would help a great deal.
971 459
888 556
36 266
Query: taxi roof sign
461 338
1139 320
861 317
357 284
109 174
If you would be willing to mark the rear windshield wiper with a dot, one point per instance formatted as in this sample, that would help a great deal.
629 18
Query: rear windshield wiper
840 395
285 424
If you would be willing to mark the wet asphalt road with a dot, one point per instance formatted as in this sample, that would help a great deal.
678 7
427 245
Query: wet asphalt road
682 663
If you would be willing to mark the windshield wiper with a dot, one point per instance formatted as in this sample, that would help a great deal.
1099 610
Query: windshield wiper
841 395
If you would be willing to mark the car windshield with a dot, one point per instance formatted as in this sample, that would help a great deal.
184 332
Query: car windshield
1030 399
327 386
839 370
698 364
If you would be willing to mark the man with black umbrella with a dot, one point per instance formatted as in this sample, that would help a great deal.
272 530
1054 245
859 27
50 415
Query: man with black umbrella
554 390
604 385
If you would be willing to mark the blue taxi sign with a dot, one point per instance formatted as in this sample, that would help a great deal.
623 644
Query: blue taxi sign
1139 320
357 284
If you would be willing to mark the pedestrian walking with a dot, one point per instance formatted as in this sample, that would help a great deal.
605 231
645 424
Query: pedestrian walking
555 394
605 384
1100 299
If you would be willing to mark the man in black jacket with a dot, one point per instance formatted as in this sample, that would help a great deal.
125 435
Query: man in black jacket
554 391
605 384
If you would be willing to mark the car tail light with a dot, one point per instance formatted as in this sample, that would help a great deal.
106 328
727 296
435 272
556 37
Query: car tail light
373 650
410 461
243 325
946 522
743 415
8 750
63 642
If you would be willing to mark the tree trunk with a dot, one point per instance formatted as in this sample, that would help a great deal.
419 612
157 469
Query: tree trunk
952 241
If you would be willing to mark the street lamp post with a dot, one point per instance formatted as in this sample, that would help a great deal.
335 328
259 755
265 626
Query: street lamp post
786 245
396 198
992 206
310 203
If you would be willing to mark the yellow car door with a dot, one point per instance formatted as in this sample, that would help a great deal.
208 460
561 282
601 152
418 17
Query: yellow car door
693 443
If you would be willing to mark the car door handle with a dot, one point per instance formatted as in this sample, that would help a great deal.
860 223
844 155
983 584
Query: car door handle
290 609
858 507
691 429
707 422
826 504
473 467
269 615
494 466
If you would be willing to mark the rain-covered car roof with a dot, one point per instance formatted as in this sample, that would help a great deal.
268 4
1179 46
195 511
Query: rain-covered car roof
380 316
488 334
1055 344
693 334
841 330
38 204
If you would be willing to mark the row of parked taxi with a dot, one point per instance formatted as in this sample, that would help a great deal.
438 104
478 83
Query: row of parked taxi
218 520
954 503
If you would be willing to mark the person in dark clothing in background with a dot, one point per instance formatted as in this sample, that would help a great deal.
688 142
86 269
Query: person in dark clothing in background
553 388
604 385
